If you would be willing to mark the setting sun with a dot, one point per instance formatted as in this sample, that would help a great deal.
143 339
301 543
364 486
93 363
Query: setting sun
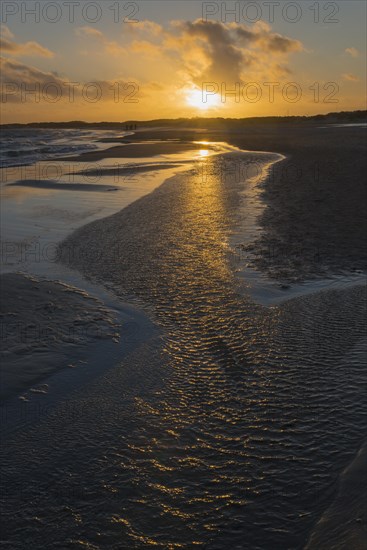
201 100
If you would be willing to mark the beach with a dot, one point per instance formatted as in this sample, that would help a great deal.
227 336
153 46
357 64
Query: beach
47 322
344 524
313 188
222 413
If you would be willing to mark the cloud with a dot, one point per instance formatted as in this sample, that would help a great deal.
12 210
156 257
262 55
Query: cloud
350 77
89 31
213 41
109 46
21 83
283 70
147 27
145 47
352 51
17 77
278 43
195 51
31 48
6 32
210 51
261 37
187 54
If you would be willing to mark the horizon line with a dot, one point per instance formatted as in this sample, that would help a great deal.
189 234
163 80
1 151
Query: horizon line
196 118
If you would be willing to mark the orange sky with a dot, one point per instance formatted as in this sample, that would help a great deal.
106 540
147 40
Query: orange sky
164 66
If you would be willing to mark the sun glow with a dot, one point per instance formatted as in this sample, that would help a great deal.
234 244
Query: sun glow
202 100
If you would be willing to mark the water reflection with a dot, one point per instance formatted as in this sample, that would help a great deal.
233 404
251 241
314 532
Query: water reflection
227 445
227 439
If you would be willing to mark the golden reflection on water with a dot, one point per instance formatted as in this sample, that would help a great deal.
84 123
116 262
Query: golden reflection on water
208 338
206 216
228 419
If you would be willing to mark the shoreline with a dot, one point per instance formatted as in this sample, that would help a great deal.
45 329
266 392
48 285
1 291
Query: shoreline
18 389
264 290
52 276
132 150
282 296
173 258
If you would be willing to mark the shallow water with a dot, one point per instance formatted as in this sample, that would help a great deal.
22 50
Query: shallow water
228 430
36 215
26 146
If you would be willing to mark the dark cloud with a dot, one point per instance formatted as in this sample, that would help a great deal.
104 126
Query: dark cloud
229 49
20 82
31 48
278 43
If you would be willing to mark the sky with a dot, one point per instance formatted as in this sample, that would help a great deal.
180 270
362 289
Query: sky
121 60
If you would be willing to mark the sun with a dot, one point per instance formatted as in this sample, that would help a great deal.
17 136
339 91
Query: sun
202 100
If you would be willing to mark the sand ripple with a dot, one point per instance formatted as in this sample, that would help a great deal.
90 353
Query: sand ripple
229 432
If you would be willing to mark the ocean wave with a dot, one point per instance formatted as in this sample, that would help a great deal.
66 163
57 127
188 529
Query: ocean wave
28 146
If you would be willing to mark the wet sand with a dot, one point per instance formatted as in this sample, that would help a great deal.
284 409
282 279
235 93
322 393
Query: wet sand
240 418
39 210
184 223
195 440
129 150
314 223
127 170
46 326
344 524
49 184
